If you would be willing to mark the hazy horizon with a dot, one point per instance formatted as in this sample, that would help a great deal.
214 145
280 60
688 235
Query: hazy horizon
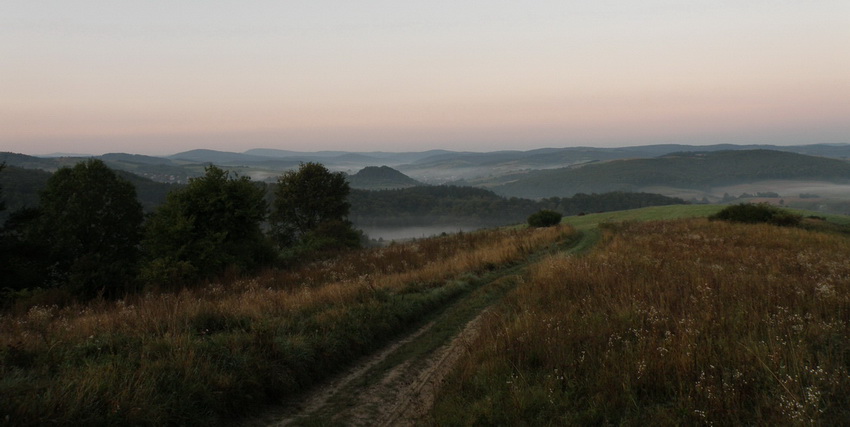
158 77
390 151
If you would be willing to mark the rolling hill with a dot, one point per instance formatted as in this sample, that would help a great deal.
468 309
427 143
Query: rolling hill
488 169
381 178
693 170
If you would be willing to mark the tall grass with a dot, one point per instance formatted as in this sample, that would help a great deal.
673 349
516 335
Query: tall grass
686 322
210 354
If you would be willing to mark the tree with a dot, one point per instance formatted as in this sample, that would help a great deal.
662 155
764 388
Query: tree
757 213
2 202
544 218
311 204
90 220
211 224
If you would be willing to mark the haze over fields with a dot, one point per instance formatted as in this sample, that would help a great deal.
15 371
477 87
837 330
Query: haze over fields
159 77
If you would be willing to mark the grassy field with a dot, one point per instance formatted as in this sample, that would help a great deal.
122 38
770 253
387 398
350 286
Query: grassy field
672 319
652 213
674 322
212 354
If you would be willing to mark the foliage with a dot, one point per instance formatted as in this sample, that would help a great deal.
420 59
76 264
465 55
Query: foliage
21 188
205 227
544 218
452 204
151 194
437 204
306 200
2 201
26 256
756 213
89 224
209 354
748 329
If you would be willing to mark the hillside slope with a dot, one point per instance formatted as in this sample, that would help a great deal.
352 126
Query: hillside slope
381 178
747 329
696 170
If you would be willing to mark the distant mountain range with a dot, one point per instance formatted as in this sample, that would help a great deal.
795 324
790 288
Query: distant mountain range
545 172
432 166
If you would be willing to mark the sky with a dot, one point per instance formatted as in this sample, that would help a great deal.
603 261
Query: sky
163 76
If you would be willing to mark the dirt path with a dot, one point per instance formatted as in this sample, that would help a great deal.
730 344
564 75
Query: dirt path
397 385
400 395
407 392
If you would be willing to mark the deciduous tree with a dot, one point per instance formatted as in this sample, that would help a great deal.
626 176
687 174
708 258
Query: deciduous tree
2 202
90 219
312 204
211 224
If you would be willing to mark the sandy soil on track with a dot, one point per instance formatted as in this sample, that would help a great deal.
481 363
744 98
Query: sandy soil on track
402 397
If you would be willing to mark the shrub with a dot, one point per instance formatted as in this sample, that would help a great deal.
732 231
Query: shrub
544 218
757 213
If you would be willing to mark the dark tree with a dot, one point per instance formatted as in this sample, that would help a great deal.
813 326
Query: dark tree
2 201
312 203
25 259
544 218
90 219
211 224
756 213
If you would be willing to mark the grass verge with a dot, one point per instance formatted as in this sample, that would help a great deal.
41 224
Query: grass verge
670 323
210 355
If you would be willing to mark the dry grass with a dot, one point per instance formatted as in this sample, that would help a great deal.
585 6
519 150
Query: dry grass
670 323
204 355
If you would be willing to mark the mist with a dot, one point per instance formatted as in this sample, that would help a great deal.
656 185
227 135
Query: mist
391 233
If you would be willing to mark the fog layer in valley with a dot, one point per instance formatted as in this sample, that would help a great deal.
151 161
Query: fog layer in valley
404 233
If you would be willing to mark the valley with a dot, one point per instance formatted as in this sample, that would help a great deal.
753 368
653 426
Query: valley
402 331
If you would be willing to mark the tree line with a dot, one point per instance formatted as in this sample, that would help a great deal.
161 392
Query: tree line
89 236
89 233
451 204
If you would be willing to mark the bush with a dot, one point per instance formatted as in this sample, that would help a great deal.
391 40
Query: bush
757 213
544 218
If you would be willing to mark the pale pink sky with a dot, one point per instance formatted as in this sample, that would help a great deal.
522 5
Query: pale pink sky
159 77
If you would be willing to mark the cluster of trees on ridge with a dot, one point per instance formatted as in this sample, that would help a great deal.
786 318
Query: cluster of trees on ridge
449 204
410 206
87 230
89 236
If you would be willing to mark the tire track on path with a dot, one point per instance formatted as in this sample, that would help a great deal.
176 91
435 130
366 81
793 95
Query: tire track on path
398 384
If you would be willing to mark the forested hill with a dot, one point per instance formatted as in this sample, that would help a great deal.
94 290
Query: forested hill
155 168
381 178
698 170
451 205
20 188
420 205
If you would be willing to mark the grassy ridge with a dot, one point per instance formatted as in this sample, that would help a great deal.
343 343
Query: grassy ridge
207 355
652 213
669 322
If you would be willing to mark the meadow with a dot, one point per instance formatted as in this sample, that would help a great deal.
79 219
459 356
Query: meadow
217 352
668 322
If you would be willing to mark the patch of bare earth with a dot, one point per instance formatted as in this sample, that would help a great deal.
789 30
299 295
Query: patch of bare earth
407 392
402 396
